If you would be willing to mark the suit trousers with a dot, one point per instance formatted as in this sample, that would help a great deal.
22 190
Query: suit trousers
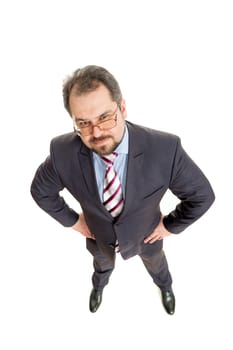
104 262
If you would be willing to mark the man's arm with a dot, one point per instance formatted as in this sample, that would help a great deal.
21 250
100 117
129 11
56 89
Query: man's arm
193 189
45 189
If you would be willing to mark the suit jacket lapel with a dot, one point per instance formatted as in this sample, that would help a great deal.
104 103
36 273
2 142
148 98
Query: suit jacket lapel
88 173
134 170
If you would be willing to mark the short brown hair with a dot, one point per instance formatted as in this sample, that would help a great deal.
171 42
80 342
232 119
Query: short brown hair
88 79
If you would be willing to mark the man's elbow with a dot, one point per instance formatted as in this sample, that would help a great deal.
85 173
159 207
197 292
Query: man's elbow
209 199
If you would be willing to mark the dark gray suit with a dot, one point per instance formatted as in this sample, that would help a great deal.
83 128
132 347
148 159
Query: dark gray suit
156 163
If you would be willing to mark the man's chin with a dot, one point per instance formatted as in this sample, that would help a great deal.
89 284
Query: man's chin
104 150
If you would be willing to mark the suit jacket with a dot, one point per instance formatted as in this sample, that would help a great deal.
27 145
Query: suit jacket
156 162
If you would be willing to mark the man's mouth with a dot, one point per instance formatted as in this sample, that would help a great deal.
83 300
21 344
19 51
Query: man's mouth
96 140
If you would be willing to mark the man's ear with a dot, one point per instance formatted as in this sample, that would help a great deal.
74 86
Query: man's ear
123 108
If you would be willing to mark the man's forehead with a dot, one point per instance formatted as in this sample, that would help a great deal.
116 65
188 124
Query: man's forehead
86 117
91 105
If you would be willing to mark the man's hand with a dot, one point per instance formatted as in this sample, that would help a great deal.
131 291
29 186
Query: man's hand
82 227
159 233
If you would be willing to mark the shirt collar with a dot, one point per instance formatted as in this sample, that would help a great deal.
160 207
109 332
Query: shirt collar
123 147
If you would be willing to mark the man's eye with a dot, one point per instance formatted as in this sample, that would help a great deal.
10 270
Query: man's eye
83 123
103 117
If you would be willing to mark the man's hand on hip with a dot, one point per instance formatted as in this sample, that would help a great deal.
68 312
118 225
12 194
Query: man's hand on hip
160 232
81 226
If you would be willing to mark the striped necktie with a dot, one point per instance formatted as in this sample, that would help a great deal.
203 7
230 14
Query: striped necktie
112 195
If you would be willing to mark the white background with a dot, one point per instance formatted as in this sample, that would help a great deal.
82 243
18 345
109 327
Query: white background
173 60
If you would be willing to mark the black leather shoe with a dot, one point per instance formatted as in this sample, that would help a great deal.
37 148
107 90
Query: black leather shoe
168 299
95 299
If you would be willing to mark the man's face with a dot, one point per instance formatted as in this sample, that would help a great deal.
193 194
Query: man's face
94 107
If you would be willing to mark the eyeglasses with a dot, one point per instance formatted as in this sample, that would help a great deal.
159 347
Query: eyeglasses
106 122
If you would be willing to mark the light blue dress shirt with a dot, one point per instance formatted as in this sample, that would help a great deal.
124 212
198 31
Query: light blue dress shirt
120 165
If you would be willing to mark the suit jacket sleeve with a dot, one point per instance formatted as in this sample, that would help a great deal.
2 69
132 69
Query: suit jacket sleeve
45 189
193 189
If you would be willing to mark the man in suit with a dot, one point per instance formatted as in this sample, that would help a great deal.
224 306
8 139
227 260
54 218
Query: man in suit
121 214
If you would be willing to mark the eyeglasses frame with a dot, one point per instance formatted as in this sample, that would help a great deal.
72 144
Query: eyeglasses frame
78 131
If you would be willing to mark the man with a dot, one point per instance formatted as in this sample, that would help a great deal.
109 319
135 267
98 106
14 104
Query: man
118 172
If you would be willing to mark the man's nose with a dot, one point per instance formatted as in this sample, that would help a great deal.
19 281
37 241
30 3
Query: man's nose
96 131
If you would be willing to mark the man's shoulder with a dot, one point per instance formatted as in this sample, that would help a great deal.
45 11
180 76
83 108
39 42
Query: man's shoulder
153 134
66 142
67 137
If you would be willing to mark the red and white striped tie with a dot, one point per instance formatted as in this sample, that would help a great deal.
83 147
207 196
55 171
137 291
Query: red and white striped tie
112 196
